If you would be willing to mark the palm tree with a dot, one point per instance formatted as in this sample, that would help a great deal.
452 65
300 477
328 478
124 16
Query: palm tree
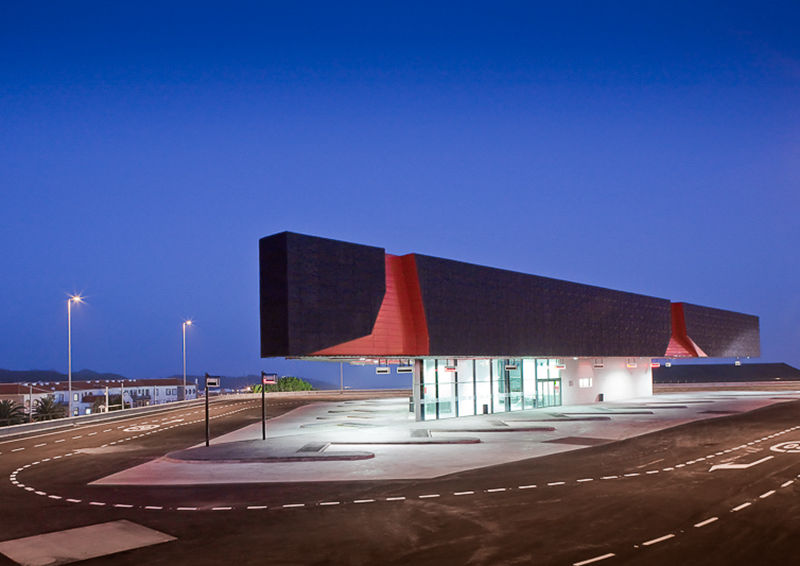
10 413
46 409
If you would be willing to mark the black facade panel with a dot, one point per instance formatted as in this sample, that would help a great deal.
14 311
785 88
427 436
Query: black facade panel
273 295
476 310
721 333
317 292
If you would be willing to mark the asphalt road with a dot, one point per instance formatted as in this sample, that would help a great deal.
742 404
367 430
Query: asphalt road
649 500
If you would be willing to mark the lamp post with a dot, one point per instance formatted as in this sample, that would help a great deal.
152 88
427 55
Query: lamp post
72 299
183 326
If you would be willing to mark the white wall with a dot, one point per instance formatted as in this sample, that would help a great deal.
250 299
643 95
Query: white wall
615 380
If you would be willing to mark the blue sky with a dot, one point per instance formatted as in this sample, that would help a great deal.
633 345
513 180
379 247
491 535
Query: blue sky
647 147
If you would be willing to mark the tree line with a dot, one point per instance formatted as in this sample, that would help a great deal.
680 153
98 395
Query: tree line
44 409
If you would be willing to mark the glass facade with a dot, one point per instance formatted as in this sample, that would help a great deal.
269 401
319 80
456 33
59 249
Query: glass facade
458 388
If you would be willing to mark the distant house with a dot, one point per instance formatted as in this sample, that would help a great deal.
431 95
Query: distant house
87 395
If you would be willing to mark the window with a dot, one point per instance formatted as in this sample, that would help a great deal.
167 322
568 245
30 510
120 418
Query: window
74 396
585 382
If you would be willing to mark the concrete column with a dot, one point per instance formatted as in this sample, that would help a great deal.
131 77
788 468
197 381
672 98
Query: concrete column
416 390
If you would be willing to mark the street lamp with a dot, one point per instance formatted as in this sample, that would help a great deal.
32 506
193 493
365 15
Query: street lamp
72 299
183 326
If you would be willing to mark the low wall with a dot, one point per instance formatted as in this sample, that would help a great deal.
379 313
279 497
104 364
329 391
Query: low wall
12 431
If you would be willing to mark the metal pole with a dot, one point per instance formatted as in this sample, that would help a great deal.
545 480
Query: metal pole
122 394
69 354
106 398
341 378
30 402
263 410
207 429
184 361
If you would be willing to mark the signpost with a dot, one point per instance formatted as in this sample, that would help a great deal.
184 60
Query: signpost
211 381
266 379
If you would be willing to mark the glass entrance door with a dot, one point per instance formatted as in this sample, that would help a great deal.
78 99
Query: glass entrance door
548 392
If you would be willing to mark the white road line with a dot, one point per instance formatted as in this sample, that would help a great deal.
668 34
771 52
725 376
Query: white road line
364 501
529 486
609 477
76 437
706 522
595 559
40 492
221 508
652 471
18 449
40 445
667 469
657 540
329 503
631 475
61 440
292 505
54 497
554 483
495 490
463 493
186 508
108 430
767 494
396 498
256 507
98 503
742 506
787 483
429 496
123 505
73 500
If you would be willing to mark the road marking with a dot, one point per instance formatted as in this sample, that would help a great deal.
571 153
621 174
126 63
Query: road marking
73 500
609 477
395 499
634 474
98 503
123 505
530 486
76 437
221 508
292 505
659 539
739 466
186 508
787 483
767 494
255 507
553 483
429 495
40 445
364 501
61 440
18 449
595 559
495 490
464 493
742 506
54 496
652 471
329 503
667 469
706 522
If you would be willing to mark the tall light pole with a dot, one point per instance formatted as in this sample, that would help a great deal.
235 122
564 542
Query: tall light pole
183 326
72 299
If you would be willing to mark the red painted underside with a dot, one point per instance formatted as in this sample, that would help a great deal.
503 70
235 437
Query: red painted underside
680 344
400 329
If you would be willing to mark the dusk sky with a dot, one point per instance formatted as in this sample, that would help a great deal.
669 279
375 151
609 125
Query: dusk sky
147 146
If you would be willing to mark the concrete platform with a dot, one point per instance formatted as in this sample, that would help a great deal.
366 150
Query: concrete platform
328 441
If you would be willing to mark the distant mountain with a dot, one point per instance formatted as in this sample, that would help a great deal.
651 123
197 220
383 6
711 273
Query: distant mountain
711 373
17 376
